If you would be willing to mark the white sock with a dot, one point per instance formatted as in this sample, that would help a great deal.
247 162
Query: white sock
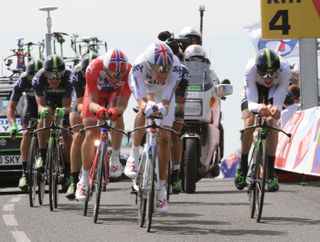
176 167
135 148
163 183
115 154
85 175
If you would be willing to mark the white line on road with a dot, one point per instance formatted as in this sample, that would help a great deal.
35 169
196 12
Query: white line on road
10 220
9 207
15 199
20 236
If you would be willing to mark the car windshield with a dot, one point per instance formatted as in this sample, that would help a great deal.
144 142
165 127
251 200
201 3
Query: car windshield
4 102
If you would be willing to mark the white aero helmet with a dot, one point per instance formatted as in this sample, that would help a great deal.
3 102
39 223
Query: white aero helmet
195 51
159 57
189 31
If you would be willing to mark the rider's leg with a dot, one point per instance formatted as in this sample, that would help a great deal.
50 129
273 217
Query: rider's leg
24 148
87 155
133 160
116 138
271 144
43 137
75 153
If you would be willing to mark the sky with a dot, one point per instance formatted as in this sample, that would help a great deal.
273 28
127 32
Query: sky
132 25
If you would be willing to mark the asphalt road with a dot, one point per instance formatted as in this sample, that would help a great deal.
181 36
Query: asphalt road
216 212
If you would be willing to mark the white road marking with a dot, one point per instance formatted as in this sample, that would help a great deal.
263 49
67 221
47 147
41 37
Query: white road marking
20 236
15 199
9 207
10 220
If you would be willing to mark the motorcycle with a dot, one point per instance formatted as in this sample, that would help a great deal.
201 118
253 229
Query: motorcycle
203 132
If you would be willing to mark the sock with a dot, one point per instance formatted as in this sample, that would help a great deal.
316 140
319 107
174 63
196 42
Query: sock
176 167
85 175
163 183
271 166
135 148
43 153
24 166
75 177
244 162
115 154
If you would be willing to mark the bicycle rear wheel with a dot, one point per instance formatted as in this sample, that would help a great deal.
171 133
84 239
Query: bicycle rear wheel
32 173
98 184
261 180
151 190
141 180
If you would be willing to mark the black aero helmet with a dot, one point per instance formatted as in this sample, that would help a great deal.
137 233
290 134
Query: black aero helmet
33 66
54 63
267 62
86 59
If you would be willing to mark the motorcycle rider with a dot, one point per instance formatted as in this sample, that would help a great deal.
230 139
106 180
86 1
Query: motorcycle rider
193 34
267 78
24 85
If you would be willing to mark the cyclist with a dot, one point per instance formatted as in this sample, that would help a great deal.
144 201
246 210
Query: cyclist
266 82
78 80
53 94
153 81
106 97
23 87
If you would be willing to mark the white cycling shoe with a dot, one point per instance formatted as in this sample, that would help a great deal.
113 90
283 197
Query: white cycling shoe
131 167
162 202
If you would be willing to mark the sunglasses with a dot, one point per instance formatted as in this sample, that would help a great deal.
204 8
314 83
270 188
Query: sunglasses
54 75
268 75
160 68
115 75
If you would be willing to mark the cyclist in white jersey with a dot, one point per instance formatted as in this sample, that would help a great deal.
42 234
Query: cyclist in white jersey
153 80
265 88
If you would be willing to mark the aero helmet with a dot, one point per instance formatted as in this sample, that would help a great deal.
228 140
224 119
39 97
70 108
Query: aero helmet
115 63
86 59
33 66
159 57
267 62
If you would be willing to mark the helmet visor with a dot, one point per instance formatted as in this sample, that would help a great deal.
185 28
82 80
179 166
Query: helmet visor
268 75
54 75
160 68
115 75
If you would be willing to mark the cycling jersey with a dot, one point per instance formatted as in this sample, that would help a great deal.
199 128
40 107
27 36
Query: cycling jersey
53 96
23 85
98 83
182 87
78 81
254 92
142 83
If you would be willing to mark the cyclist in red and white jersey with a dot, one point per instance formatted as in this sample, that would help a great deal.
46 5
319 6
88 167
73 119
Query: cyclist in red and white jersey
153 81
266 81
106 97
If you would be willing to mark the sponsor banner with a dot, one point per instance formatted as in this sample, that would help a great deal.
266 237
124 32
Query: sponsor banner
10 160
5 125
301 154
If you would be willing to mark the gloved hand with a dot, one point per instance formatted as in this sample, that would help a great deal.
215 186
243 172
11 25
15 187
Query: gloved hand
162 109
101 113
43 113
60 112
112 114
14 129
149 108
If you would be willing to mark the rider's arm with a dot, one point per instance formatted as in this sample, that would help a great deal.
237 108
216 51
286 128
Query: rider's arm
281 90
66 103
251 87
10 111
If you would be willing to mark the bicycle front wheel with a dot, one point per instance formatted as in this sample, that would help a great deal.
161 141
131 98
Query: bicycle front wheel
32 173
261 180
98 184
52 159
151 190
141 180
